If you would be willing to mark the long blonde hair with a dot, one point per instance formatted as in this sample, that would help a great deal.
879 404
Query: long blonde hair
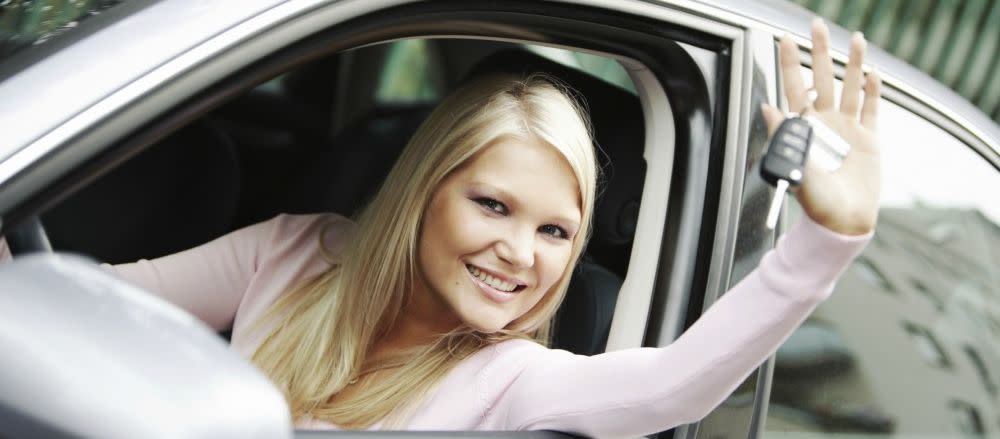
324 330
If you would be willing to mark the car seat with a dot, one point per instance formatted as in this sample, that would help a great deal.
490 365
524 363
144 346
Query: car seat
179 193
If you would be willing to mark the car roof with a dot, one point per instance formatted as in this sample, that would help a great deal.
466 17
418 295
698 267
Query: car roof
38 99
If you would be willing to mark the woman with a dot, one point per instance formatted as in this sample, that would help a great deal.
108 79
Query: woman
431 311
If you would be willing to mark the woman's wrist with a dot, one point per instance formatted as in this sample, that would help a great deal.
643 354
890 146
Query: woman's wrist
854 225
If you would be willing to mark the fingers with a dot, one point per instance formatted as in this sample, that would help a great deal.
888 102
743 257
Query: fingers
791 74
823 79
850 96
869 110
822 66
773 118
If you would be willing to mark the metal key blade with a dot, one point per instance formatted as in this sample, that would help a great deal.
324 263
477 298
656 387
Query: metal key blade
779 197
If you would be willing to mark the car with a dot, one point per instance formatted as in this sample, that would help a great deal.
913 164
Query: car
137 129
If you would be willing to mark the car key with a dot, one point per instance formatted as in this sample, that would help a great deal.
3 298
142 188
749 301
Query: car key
784 163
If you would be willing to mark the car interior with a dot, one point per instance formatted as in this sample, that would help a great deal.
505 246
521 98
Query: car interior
321 137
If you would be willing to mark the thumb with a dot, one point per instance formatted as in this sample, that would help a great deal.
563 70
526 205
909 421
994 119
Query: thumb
772 117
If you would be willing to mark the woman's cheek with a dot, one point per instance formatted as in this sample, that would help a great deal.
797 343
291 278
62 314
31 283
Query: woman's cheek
464 223
555 261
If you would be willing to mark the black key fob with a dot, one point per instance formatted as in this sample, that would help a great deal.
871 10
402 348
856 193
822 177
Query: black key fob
788 152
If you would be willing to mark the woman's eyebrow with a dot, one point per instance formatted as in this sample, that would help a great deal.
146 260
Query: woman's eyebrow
514 202
493 190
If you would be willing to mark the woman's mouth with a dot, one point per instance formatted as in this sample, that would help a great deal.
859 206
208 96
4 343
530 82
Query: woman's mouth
497 289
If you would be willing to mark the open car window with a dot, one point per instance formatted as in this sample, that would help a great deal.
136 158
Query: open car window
266 152
600 67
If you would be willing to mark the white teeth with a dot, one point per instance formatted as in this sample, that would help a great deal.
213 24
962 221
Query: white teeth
491 281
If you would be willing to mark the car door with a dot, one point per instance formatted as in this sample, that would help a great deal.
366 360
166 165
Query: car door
700 74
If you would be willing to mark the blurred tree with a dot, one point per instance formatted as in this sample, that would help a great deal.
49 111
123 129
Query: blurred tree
26 22
955 41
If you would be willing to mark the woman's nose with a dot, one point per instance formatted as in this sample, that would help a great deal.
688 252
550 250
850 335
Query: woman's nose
517 248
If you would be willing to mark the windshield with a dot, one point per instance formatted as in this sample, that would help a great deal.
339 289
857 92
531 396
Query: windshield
31 30
26 23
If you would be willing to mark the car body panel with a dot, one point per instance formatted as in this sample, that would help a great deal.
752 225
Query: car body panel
138 360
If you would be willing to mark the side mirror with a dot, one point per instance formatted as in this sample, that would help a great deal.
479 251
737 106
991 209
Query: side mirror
83 354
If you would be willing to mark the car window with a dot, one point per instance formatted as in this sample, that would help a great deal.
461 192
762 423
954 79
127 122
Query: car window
24 23
410 74
909 342
601 67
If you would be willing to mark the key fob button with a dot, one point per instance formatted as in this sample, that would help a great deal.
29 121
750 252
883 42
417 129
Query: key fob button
795 141
792 154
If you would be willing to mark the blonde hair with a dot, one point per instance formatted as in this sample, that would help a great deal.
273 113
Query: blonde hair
325 329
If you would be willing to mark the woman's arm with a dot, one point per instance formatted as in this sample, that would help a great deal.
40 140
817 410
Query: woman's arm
4 250
209 280
640 391
212 280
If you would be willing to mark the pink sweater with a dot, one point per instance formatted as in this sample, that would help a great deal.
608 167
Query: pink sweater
518 384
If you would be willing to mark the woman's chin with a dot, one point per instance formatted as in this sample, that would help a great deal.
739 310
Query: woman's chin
486 324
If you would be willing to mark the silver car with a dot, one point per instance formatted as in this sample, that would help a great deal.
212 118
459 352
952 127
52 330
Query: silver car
139 128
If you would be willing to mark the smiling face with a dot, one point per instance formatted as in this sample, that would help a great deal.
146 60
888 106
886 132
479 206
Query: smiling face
497 235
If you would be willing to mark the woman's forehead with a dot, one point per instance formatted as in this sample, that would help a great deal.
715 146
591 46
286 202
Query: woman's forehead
528 170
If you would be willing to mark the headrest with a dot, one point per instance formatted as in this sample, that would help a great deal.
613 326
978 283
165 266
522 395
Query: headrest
619 133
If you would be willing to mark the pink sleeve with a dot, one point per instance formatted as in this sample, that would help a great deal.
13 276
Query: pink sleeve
209 280
640 391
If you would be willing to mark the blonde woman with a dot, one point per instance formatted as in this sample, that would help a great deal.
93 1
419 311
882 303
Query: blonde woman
431 310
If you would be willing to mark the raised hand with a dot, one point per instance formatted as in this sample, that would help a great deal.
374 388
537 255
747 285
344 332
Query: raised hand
845 201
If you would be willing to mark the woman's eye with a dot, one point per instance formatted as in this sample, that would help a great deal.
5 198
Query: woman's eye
554 230
492 204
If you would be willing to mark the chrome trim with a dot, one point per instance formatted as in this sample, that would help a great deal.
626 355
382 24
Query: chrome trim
762 398
760 55
737 133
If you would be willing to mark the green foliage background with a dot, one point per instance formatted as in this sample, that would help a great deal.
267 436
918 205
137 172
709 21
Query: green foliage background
955 41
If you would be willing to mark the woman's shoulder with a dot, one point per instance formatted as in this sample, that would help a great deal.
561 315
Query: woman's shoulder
292 222
514 355
293 248
325 233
